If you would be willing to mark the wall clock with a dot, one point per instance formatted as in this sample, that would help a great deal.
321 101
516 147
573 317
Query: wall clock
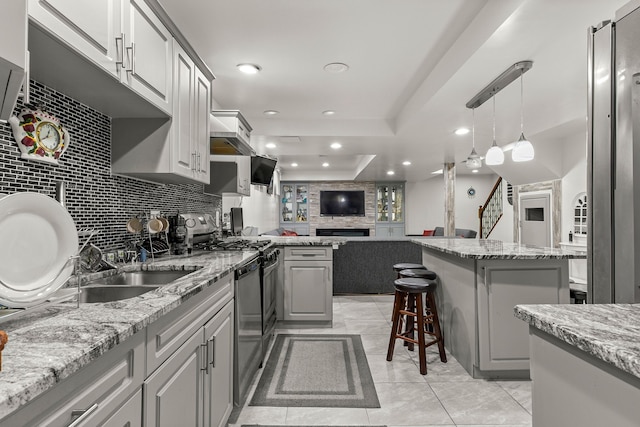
39 135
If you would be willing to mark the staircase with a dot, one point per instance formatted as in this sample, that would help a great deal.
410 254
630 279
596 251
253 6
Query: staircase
491 212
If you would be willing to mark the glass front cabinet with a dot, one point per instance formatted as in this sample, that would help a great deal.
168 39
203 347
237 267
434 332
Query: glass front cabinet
390 209
294 207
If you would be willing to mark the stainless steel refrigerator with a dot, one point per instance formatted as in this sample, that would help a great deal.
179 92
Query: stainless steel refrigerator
613 238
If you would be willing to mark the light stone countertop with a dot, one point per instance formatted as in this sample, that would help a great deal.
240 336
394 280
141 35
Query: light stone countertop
50 344
494 249
301 240
609 332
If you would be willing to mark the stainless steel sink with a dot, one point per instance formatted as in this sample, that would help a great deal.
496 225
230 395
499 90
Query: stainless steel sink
102 293
140 278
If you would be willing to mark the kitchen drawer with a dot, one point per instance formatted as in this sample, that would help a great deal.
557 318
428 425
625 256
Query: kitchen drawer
103 387
308 253
166 335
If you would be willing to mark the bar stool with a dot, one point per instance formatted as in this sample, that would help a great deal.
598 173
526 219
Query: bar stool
423 273
407 266
411 289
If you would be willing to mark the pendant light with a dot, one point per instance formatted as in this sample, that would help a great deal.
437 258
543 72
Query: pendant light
495 155
474 161
523 150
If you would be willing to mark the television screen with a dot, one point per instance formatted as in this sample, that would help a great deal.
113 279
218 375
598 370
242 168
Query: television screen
236 221
262 170
342 203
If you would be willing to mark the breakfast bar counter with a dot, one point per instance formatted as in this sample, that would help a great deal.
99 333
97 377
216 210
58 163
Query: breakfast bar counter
480 281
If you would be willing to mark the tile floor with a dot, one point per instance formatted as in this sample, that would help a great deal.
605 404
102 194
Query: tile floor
447 395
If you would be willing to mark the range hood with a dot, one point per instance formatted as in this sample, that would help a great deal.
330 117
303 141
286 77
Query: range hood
230 133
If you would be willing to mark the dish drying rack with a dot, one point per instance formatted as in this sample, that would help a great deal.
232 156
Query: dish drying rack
154 243
62 294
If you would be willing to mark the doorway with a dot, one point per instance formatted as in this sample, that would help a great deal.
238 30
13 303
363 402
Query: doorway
536 220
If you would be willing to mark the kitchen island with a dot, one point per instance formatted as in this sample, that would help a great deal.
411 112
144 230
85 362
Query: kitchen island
480 281
585 363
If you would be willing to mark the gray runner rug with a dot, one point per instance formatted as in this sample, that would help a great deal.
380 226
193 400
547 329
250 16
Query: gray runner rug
316 371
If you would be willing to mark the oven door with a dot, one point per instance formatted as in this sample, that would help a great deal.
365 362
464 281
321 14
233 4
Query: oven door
269 283
248 336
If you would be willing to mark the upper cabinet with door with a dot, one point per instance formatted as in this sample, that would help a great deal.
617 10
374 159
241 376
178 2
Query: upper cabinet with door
13 30
390 209
124 38
169 150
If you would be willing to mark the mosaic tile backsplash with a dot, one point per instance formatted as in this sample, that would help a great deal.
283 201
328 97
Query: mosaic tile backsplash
94 198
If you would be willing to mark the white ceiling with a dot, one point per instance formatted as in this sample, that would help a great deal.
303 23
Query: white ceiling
414 64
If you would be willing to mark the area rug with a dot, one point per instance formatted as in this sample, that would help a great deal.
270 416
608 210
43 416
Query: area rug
316 371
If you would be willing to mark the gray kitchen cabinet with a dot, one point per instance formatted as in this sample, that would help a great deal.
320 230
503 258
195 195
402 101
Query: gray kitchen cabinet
124 38
98 393
13 62
129 414
229 175
194 386
218 381
308 283
168 150
390 209
503 339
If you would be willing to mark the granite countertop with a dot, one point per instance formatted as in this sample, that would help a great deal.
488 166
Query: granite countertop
494 249
609 332
52 343
301 240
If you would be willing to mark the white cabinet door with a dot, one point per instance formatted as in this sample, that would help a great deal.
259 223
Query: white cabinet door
92 31
13 27
308 290
172 395
218 382
201 122
184 77
148 54
129 414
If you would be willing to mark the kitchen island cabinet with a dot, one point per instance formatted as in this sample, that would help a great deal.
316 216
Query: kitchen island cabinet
308 283
585 364
480 281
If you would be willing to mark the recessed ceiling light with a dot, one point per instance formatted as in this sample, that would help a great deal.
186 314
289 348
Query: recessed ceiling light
336 145
406 163
328 112
270 145
270 112
438 172
391 173
325 165
249 68
462 131
475 171
294 165
336 67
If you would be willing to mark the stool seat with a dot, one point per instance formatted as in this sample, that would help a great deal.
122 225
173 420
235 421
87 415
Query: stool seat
423 273
415 285
408 265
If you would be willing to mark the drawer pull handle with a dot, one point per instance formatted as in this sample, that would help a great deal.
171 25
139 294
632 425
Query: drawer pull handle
82 415
205 368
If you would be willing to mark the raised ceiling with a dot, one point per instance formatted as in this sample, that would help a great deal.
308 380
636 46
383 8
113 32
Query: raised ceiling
413 65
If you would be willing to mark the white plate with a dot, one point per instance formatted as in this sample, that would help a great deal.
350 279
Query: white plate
38 236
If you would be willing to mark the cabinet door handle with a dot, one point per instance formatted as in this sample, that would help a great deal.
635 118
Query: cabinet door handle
211 349
199 169
193 161
120 51
132 49
204 368
82 415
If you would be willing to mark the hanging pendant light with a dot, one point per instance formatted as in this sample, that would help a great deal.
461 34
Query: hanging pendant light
495 155
474 161
523 150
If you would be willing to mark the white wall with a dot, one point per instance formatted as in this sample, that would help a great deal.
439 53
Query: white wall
574 181
425 202
258 210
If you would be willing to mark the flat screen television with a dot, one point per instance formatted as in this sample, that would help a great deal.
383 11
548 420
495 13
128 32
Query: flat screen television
236 221
262 170
342 203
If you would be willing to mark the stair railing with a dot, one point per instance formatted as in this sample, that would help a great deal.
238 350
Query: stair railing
491 212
